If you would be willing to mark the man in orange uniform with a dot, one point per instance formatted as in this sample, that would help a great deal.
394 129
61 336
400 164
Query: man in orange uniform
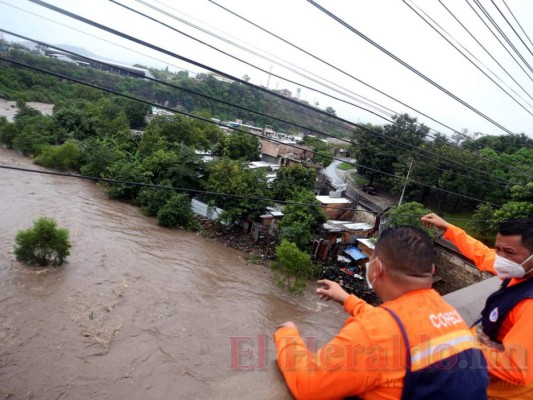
506 325
413 346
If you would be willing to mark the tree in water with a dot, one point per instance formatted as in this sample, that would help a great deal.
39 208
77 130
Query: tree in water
44 244
293 265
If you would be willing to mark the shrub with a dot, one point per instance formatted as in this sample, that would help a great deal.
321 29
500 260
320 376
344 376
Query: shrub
152 200
64 158
44 244
294 265
177 212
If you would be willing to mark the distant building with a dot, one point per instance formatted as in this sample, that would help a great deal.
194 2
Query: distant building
285 93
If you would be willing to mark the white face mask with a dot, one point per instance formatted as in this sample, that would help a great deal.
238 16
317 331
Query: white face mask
368 264
510 269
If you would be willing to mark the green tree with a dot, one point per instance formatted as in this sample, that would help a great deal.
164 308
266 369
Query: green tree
408 214
293 265
301 222
234 178
152 200
321 151
124 170
330 110
380 149
44 244
240 146
96 155
511 210
177 212
292 179
487 219
8 132
481 224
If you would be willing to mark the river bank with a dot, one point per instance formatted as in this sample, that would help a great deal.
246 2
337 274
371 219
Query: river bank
139 311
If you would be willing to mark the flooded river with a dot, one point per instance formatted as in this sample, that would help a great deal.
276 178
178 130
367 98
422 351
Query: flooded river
139 311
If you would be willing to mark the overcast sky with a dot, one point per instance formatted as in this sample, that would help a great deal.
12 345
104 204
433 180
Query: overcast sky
390 23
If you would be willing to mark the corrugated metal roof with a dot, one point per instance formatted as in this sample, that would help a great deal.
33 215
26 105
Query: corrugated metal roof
355 253
368 243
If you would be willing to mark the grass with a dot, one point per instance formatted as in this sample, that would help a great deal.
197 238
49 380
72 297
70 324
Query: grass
464 220
461 219
345 166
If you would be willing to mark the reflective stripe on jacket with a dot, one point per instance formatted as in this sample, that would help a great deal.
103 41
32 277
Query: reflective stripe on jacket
367 358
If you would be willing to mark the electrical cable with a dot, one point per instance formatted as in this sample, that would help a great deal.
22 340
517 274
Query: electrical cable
511 26
149 45
503 1
94 36
467 58
483 47
204 192
246 132
412 69
429 156
360 81
225 53
498 39
243 48
292 67
241 60
215 99
502 33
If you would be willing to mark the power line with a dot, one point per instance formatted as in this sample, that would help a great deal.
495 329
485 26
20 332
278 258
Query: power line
502 33
265 115
467 58
91 35
511 26
243 48
498 39
333 66
337 89
412 69
517 22
195 191
146 44
272 117
483 47
358 80
510 166
241 60
272 140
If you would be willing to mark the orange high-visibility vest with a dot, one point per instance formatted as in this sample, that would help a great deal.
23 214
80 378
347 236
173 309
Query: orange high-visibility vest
510 369
368 357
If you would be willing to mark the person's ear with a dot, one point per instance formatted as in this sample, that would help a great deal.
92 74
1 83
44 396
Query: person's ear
432 269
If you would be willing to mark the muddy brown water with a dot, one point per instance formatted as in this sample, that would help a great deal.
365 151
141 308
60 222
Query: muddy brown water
139 311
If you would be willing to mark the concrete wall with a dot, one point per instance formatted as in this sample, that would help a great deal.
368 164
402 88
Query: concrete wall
455 273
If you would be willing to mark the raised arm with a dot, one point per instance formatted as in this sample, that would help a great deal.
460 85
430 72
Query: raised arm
475 250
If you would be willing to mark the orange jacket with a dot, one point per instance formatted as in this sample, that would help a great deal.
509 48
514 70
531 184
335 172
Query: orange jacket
367 357
510 376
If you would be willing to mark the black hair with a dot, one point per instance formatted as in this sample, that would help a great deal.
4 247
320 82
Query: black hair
407 250
522 227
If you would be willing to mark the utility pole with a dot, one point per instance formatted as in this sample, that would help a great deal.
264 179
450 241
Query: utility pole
268 81
406 180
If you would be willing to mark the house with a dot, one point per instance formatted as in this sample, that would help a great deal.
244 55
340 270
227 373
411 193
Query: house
284 151
336 207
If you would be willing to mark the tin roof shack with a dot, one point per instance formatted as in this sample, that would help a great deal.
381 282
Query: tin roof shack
265 226
336 236
336 207
366 246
